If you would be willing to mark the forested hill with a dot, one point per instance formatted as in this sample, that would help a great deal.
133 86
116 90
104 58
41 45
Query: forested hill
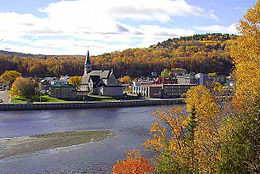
199 53
216 40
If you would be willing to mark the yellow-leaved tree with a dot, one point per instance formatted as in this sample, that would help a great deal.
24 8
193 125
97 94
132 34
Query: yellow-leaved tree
8 77
246 56
76 81
26 88
188 143
240 150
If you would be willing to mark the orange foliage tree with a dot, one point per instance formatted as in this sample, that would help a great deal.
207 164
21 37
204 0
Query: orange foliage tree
125 80
134 164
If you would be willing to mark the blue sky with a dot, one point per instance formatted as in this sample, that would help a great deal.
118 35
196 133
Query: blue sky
73 26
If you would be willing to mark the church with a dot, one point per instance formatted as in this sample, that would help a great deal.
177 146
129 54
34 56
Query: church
99 82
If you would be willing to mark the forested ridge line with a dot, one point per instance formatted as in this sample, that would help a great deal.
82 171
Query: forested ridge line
198 53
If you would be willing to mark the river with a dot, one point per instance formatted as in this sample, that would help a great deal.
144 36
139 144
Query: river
131 124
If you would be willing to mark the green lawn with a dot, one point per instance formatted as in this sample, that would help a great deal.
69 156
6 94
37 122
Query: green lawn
18 100
47 98
44 98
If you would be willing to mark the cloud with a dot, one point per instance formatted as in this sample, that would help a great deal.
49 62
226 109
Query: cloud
101 23
218 29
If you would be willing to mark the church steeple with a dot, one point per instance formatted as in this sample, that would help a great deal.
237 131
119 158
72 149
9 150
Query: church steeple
88 65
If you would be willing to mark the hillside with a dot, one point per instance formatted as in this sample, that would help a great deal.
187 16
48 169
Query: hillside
199 53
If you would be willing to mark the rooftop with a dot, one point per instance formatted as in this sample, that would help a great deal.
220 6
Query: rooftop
62 85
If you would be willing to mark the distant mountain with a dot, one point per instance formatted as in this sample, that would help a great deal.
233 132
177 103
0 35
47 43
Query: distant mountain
22 54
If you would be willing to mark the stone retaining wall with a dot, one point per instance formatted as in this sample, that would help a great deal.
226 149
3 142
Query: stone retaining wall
87 105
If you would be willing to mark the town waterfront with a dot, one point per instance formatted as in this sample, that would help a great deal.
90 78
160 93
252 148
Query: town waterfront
131 126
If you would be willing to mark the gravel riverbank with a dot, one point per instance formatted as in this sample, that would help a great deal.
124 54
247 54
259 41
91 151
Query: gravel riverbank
29 144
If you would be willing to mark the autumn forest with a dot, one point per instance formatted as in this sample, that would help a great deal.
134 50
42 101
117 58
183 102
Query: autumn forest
204 53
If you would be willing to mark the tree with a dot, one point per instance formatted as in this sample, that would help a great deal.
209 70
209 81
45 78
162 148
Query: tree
134 163
207 137
125 80
240 152
8 77
76 81
240 149
25 88
245 53
166 73
193 140
217 87
179 71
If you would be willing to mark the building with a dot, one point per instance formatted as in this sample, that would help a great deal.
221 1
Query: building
45 83
2 87
161 90
140 88
187 79
99 82
155 91
64 79
202 79
175 90
154 74
63 91
166 81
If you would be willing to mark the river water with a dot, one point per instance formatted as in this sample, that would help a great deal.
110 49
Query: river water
131 124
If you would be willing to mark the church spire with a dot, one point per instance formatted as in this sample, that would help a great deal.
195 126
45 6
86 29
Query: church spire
88 65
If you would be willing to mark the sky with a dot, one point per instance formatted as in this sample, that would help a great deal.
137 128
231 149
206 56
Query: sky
73 26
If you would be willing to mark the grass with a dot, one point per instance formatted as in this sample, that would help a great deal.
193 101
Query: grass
18 100
26 145
44 98
47 98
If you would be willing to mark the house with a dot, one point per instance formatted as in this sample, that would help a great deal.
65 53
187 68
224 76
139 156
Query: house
2 87
63 91
46 83
99 82
64 79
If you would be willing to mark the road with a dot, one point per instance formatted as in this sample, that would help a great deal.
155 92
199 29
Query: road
4 95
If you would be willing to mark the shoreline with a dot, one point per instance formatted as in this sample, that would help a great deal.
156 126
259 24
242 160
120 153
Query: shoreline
90 104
